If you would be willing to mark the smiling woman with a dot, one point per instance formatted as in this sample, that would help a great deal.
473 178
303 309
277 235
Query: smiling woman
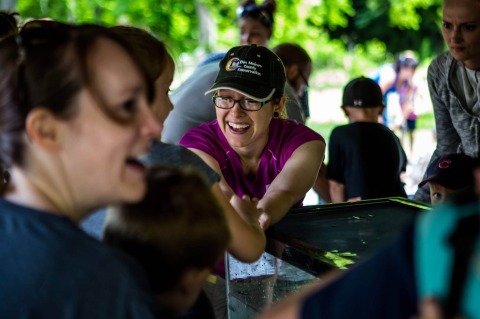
74 118
257 153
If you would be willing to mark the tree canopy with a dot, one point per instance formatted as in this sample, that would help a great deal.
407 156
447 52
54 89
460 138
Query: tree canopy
376 29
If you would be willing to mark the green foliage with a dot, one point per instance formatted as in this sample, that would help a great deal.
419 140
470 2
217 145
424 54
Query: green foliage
348 34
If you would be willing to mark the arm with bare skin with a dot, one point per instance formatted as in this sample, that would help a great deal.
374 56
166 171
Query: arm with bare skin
321 185
337 191
248 239
296 178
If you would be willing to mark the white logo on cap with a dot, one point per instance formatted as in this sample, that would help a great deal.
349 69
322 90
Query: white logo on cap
357 102
236 64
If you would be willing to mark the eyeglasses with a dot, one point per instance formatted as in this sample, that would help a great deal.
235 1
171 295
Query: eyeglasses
225 102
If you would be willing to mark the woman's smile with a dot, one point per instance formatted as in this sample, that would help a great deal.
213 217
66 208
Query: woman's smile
238 127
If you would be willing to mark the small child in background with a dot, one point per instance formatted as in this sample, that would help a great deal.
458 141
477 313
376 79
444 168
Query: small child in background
178 233
366 159
450 177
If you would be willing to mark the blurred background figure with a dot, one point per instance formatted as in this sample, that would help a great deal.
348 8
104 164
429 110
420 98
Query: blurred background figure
298 67
399 89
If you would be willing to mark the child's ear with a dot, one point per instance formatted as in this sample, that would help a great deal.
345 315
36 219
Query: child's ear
42 128
380 110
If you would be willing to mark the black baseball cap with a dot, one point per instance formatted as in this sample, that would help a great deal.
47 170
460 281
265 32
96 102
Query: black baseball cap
362 92
251 70
454 171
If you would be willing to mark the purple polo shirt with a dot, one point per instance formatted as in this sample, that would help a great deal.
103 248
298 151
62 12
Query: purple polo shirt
285 136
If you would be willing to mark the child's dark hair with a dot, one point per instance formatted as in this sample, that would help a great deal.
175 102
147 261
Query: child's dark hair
177 226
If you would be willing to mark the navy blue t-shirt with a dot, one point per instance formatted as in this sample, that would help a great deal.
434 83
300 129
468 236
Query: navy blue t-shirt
51 269
381 287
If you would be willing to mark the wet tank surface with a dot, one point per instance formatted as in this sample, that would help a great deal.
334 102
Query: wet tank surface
310 241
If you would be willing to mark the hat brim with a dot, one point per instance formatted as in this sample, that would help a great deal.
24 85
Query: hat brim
424 182
259 93
450 182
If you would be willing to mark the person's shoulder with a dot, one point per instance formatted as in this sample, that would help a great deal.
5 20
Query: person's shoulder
201 78
341 129
212 58
293 105
205 133
206 128
441 64
289 127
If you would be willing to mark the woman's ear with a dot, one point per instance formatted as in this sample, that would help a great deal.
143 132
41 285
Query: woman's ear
42 129
280 106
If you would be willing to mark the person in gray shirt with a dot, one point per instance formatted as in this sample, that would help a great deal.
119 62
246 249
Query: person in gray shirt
453 80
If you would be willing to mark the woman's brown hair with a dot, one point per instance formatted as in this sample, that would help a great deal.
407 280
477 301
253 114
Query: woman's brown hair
150 51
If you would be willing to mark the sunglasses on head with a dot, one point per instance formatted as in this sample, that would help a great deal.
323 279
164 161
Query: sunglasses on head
255 11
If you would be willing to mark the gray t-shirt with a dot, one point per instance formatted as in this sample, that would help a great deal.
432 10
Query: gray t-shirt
191 106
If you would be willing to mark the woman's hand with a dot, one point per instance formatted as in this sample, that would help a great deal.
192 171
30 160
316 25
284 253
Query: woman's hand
246 207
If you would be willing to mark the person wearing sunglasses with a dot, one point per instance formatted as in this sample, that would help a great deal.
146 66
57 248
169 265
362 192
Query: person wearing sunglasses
75 118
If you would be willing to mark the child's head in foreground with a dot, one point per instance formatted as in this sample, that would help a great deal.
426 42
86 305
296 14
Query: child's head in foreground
449 176
178 233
